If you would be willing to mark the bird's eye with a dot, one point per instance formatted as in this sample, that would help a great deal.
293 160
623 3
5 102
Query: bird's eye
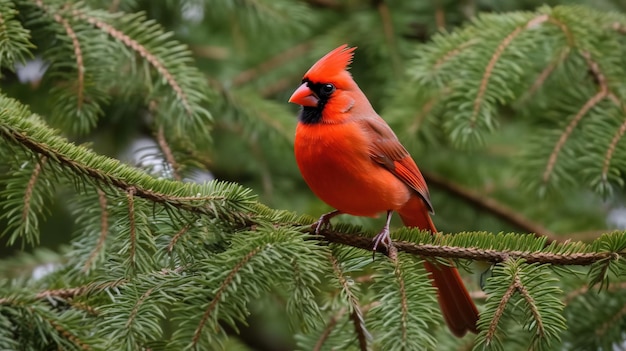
327 89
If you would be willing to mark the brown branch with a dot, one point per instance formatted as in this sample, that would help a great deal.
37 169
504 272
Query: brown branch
104 230
593 101
177 236
142 51
30 186
543 76
332 322
452 53
493 326
114 7
135 309
531 305
271 64
278 86
356 315
490 205
404 301
67 334
585 288
618 27
555 62
603 328
167 153
603 92
218 295
516 286
440 16
427 107
471 253
78 54
495 58
83 307
130 194
612 146
390 37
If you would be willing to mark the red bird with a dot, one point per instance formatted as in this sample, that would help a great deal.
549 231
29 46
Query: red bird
353 161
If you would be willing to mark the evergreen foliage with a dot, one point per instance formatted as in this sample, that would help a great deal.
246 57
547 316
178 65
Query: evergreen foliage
523 108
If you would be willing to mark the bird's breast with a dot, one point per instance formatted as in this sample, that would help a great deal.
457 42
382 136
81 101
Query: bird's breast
335 162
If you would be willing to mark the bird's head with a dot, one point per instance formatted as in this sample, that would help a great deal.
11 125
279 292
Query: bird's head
328 91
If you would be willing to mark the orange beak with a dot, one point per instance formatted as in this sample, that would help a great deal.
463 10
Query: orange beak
304 96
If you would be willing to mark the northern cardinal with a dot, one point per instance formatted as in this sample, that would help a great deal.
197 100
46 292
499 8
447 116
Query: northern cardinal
353 161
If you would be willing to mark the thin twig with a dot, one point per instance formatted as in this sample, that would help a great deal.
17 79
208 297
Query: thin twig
130 194
167 153
104 230
30 187
271 64
218 295
356 314
390 37
493 326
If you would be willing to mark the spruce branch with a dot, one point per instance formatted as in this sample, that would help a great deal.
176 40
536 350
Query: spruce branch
407 299
530 290
135 309
545 73
619 27
403 300
444 251
453 52
104 231
619 315
603 92
272 63
592 102
495 321
504 44
330 325
218 294
15 42
142 51
130 195
332 322
390 37
74 157
177 236
67 334
610 151
356 313
78 55
167 153
32 182
611 287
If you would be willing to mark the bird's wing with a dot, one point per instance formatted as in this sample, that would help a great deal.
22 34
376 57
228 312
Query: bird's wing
387 151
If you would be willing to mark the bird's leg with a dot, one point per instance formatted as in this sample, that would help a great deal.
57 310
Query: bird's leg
383 237
324 221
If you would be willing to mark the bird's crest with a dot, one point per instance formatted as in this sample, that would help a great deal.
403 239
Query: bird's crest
332 64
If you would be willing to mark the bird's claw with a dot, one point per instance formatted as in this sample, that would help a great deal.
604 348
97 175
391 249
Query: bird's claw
382 238
324 221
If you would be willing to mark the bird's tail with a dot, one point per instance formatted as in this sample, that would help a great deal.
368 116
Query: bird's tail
457 307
